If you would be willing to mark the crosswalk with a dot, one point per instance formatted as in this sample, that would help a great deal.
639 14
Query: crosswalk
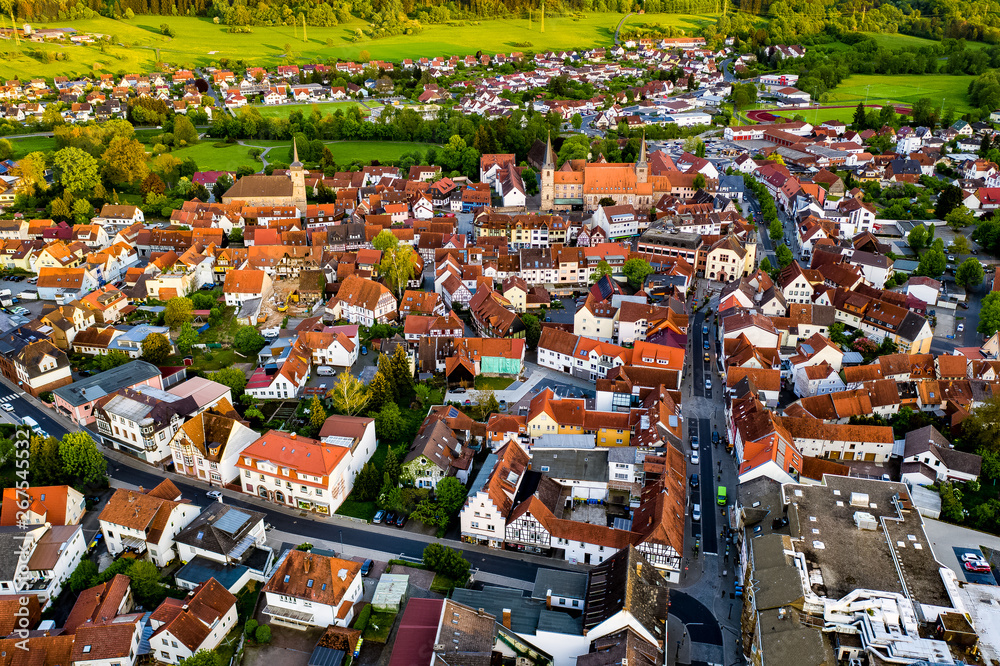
8 398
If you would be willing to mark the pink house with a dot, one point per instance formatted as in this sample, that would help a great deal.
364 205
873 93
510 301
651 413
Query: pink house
77 400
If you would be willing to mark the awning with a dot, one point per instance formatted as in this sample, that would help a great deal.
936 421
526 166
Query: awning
568 201
288 614
134 543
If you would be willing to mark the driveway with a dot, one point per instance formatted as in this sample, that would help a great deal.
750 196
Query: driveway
288 647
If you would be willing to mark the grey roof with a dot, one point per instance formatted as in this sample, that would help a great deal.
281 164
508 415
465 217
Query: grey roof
219 528
558 622
107 382
569 584
524 612
910 326
200 569
324 656
565 442
10 548
929 439
623 454
585 465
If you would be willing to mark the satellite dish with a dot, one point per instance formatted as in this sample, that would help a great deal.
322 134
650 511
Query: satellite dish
201 85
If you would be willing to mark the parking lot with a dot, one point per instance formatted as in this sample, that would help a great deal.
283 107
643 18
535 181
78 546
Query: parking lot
17 285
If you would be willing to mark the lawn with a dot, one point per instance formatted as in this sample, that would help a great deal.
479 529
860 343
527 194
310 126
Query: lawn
379 626
225 158
904 89
494 383
364 510
31 144
326 108
820 115
690 23
199 42
898 41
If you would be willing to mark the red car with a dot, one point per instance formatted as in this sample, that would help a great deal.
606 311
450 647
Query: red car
977 566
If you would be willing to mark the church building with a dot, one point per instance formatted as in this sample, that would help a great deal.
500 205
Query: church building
281 190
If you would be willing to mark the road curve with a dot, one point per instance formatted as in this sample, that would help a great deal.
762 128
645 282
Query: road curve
618 29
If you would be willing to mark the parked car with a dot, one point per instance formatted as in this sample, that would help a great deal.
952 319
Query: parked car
379 515
696 512
390 518
366 567
458 390
215 494
7 407
695 458
694 480
401 520
708 384
972 557
96 540
694 442
715 437
364 350
961 327
708 359
980 566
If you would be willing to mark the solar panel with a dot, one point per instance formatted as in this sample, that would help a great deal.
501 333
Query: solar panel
232 521
242 547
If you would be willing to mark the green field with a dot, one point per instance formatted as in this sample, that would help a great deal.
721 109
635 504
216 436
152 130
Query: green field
210 158
32 143
199 41
687 22
903 89
326 108
365 151
816 116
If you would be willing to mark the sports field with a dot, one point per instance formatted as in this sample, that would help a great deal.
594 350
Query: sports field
326 108
903 89
199 41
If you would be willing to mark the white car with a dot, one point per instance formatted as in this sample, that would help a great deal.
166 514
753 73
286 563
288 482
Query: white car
215 494
696 512
7 407
708 384
695 458
972 557
961 327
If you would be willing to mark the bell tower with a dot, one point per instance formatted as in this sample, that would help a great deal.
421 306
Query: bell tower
298 175
548 176
641 165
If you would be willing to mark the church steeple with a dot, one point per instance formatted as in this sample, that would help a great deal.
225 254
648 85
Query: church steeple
295 155
550 157
641 166
642 149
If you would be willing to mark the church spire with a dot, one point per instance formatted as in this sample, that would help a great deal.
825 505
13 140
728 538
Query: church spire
642 149
550 159
295 154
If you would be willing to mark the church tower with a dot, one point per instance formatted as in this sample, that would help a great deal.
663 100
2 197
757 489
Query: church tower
298 176
548 176
641 166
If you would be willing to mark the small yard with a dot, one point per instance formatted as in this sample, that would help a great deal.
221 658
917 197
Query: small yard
379 626
493 383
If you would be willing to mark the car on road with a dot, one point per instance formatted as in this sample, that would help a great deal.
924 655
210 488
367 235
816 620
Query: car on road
708 358
7 407
715 437
366 567
694 481
458 390
695 458
696 512
951 257
379 515
960 328
214 494
706 344
708 384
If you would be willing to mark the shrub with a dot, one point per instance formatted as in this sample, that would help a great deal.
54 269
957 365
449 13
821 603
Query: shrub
361 622
263 634
250 628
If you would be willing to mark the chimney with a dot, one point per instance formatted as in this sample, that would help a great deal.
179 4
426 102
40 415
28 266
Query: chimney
131 496
506 617
548 599
292 436
142 491
480 611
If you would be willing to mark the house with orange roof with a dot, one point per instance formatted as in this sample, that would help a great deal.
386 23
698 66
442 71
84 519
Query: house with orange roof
311 590
200 621
245 285
55 505
208 446
491 496
297 472
270 383
362 301
578 356
144 523
107 303
337 347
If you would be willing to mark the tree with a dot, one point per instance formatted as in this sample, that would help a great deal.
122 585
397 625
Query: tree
184 132
82 211
577 121
969 273
249 627
366 486
81 461
949 198
959 218
186 338
859 117
932 263
263 634
422 393
348 394
76 170
155 348
765 265
431 513
959 244
46 464
636 270
451 494
446 561
401 375
981 429
603 268
606 201
234 378
532 330
83 576
317 415
380 391
783 255
153 184
486 403
178 311
775 230
991 463
112 359
208 657
31 170
692 144
125 160
248 341
146 583
951 503
699 181
917 238
391 464
389 425
397 267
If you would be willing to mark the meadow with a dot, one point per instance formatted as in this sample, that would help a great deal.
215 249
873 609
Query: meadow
326 108
199 42
903 89
232 156
31 144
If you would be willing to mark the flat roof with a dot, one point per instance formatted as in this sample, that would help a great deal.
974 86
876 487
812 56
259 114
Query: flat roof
823 528
104 383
